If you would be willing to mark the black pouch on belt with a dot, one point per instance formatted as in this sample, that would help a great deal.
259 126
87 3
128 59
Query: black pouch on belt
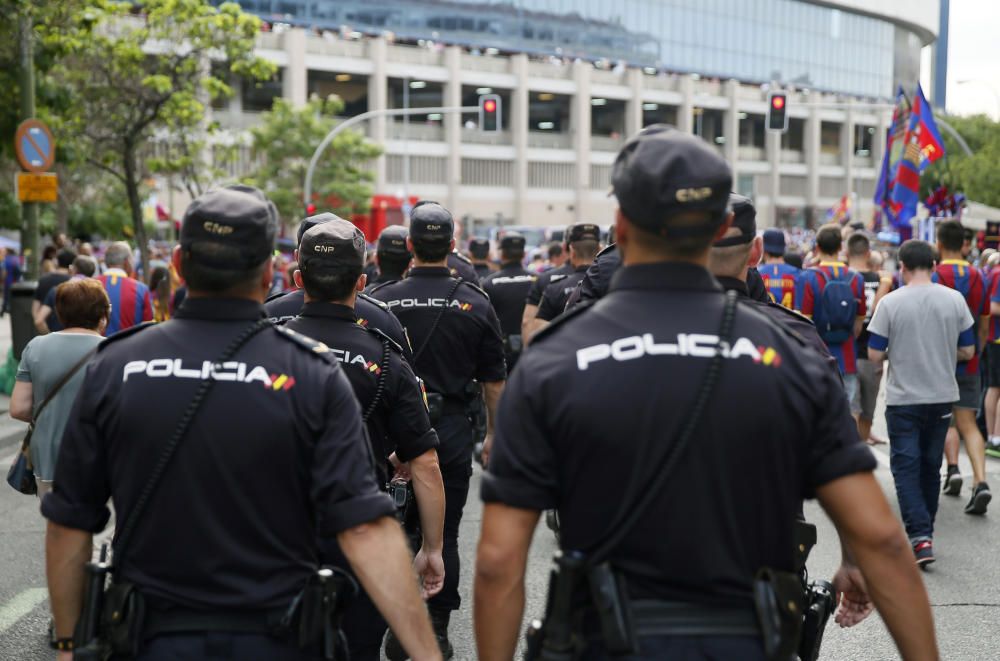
779 600
123 618
610 599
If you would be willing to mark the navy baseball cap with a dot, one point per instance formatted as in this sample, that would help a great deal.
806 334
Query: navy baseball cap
479 248
335 244
392 241
512 242
431 222
744 220
663 172
231 229
311 222
774 242
583 232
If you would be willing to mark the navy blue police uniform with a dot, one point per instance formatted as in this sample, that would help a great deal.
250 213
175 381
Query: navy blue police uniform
644 344
457 340
745 220
508 290
597 280
561 286
461 266
275 460
370 312
389 393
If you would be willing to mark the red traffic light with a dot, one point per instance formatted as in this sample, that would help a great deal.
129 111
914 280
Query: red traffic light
777 102
490 105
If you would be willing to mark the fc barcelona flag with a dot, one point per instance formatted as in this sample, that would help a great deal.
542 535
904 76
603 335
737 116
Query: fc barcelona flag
921 147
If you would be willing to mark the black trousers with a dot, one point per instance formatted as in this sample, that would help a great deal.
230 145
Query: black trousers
222 645
687 648
455 456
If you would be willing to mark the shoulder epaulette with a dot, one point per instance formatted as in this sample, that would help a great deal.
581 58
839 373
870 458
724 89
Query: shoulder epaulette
461 257
607 249
375 301
385 338
120 335
562 319
557 277
476 287
368 295
305 342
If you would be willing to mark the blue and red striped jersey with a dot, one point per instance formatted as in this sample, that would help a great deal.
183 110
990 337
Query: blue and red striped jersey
966 279
811 288
993 296
780 282
131 303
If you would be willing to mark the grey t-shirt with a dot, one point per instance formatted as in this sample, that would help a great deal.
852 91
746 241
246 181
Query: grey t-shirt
44 362
922 324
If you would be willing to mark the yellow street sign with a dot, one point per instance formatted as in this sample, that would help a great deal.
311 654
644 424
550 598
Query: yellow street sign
42 187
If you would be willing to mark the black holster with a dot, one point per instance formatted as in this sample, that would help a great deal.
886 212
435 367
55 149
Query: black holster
89 641
323 603
560 636
779 604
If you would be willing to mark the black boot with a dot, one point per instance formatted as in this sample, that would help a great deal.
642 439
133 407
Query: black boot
439 620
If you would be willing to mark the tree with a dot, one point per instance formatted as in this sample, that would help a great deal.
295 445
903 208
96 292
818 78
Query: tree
134 69
284 143
977 176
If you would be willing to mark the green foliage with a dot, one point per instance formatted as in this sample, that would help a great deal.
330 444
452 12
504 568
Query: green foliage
143 69
285 141
978 175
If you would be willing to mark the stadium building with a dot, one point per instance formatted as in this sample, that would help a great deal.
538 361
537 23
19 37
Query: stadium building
575 77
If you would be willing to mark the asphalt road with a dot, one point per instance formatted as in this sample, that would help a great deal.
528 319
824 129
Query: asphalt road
964 584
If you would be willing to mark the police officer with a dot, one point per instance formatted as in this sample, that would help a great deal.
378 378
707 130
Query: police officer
597 279
479 255
282 307
330 272
456 338
273 459
584 241
391 255
729 262
529 323
508 290
688 535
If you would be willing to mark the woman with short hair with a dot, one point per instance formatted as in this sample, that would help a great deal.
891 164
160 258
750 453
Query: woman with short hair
83 308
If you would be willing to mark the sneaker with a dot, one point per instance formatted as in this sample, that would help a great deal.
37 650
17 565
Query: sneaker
993 448
439 620
924 552
981 498
953 482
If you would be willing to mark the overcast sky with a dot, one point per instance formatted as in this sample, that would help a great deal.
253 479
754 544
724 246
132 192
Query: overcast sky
974 54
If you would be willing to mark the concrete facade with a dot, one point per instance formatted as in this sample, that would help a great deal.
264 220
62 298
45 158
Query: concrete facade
524 176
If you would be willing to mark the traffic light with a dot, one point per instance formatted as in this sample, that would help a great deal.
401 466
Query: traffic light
777 111
489 113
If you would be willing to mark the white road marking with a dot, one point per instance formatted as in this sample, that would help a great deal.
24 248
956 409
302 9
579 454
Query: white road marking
20 606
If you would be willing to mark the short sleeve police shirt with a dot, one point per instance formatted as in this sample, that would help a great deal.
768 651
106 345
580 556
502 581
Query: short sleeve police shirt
465 345
508 289
538 288
635 360
400 422
557 293
369 311
276 457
